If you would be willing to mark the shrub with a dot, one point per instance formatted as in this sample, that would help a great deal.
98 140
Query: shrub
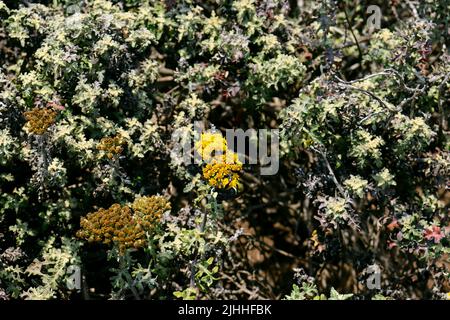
92 93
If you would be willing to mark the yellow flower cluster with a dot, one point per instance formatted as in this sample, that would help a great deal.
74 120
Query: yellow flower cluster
211 145
222 165
222 175
40 119
111 146
121 226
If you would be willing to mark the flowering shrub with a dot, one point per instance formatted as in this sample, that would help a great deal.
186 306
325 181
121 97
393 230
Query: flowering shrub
222 165
119 226
111 146
222 174
39 120
96 97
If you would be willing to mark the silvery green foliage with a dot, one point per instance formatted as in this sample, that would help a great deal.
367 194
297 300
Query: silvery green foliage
306 289
51 269
376 140
8 147
370 154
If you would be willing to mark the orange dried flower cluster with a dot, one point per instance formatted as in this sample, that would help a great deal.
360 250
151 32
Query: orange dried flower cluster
113 225
40 119
120 226
149 210
111 145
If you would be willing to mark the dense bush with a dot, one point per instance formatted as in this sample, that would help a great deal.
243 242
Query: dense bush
93 92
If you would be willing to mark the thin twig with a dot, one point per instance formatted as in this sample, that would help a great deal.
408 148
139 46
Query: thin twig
330 170
282 252
366 92
252 294
353 34
413 9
